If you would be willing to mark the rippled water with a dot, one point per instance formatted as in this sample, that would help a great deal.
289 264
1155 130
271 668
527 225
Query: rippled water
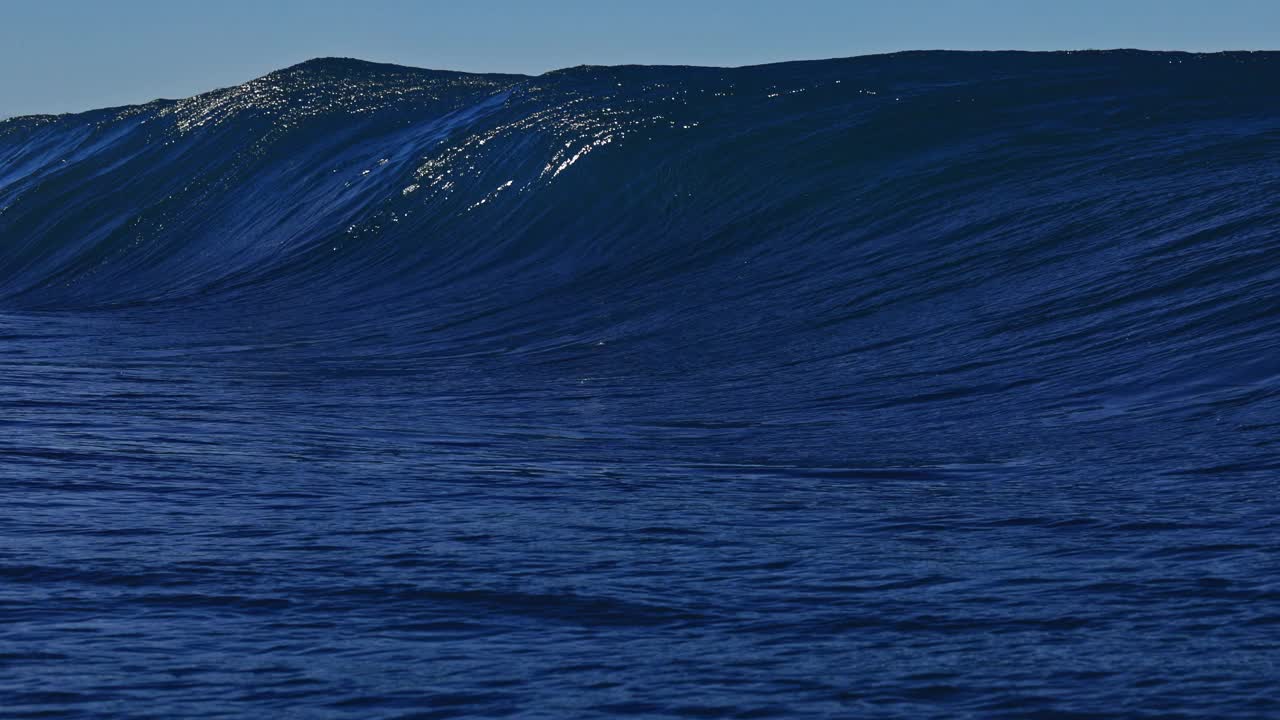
922 385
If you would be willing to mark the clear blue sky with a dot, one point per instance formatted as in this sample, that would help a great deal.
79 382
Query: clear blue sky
66 55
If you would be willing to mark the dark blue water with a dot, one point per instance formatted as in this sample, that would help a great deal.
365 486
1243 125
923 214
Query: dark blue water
923 385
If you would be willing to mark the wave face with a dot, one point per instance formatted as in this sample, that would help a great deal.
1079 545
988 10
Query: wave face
921 384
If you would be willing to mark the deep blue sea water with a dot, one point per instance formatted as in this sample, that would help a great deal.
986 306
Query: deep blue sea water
920 385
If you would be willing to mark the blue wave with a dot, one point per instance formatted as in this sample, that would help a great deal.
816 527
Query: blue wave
968 352
1088 233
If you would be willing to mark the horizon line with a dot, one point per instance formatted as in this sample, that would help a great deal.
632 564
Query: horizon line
322 58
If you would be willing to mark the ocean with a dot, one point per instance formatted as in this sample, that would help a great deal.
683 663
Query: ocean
930 384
